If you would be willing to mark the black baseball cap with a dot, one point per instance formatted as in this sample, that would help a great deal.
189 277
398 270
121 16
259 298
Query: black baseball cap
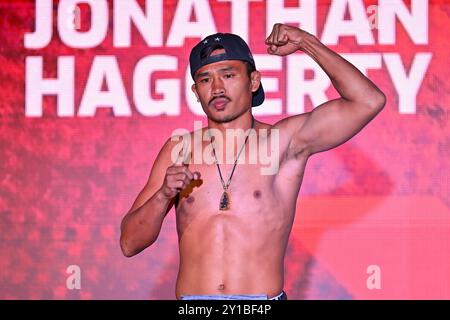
235 49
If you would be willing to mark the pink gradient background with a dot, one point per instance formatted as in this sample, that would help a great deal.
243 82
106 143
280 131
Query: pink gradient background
383 198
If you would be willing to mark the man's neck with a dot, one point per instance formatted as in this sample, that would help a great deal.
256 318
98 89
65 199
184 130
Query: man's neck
230 135
243 122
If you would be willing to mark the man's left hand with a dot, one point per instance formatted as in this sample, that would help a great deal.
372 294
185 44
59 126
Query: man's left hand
284 39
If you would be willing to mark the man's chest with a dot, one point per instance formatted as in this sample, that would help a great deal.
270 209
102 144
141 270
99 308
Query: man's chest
244 185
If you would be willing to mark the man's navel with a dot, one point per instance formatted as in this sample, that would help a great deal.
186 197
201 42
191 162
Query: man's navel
257 194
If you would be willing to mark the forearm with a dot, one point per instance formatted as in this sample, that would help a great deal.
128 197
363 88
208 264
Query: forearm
351 84
140 228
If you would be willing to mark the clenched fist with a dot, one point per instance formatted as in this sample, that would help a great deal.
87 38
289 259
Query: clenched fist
178 176
284 39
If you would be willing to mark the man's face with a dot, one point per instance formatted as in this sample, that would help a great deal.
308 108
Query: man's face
225 89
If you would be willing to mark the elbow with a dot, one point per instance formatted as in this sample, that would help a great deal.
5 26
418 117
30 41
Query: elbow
381 100
126 250
127 254
124 242
130 248
378 101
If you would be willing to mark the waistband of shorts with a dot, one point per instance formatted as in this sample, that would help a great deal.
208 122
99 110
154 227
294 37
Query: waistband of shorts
281 296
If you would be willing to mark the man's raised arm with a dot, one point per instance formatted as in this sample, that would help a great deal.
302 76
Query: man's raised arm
335 121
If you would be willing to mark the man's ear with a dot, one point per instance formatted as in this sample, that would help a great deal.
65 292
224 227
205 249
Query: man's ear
255 78
194 90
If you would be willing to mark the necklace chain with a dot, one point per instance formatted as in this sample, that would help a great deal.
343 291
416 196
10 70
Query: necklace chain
226 185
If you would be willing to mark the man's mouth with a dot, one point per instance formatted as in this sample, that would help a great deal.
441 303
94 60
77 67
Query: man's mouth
219 103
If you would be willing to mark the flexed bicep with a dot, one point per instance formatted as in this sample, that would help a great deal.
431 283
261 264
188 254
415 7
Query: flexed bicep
333 123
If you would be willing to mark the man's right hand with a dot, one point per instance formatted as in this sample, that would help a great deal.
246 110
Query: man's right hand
178 176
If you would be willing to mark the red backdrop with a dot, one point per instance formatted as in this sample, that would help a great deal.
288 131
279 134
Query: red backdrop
374 210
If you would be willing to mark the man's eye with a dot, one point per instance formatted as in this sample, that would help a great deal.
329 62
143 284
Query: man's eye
204 80
229 75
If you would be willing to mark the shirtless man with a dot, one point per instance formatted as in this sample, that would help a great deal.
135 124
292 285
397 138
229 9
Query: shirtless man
238 250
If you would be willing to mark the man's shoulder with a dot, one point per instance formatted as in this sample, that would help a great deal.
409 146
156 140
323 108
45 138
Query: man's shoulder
184 139
292 123
178 136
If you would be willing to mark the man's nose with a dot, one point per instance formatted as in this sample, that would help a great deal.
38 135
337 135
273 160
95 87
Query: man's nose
217 87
